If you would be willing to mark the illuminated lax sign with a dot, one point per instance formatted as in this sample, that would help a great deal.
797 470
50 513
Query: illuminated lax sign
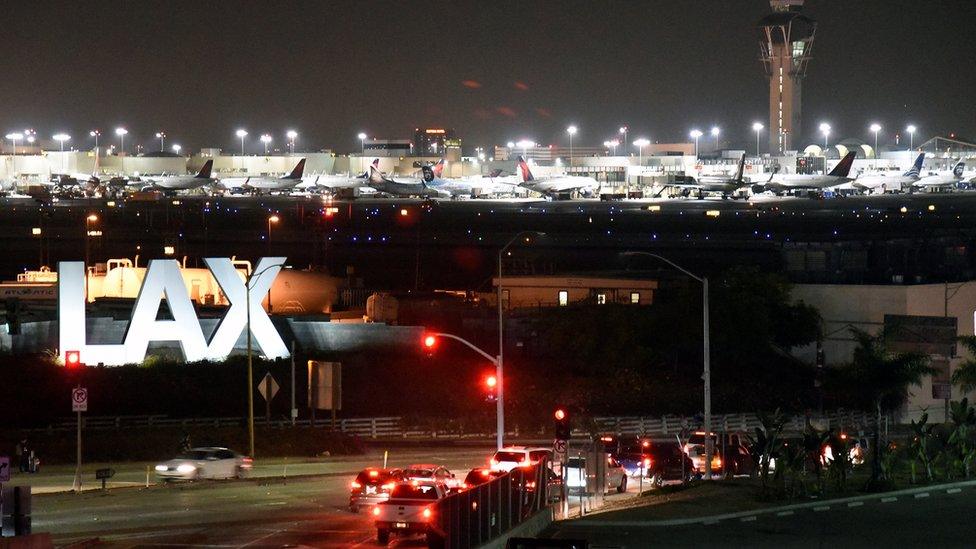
163 278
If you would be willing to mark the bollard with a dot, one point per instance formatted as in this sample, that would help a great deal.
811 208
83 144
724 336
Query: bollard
147 476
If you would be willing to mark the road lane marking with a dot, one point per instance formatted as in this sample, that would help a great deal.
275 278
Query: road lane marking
822 508
855 504
888 500
922 495
748 519
784 513
710 521
953 490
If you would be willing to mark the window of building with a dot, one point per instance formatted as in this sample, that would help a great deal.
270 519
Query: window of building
635 298
563 298
601 299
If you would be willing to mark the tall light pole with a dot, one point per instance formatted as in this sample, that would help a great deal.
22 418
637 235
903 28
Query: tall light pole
571 131
525 145
706 356
715 132
121 133
825 130
14 137
695 134
61 138
362 148
292 135
266 139
241 133
161 136
911 136
500 364
875 128
176 148
640 144
758 128
623 131
95 134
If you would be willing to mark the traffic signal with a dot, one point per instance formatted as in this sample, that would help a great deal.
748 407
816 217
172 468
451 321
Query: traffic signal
72 359
429 343
563 429
491 388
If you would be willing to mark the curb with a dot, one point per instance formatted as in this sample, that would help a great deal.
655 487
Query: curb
786 510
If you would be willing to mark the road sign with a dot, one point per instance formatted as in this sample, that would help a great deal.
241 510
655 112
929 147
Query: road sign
559 446
268 387
4 469
79 399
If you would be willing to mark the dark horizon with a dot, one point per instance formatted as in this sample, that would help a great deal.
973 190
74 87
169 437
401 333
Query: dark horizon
494 72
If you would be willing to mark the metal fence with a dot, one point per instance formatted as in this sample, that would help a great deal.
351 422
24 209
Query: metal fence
669 425
485 512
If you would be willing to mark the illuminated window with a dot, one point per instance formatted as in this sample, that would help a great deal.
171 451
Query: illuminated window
635 298
563 298
601 299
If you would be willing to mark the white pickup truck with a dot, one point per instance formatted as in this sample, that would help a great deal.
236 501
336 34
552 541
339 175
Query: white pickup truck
410 510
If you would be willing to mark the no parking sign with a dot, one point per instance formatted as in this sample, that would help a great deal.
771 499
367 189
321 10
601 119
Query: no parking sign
79 399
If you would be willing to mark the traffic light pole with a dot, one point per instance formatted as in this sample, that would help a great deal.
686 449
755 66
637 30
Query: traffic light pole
497 362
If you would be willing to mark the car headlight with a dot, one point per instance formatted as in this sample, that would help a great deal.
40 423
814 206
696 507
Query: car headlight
161 468
186 468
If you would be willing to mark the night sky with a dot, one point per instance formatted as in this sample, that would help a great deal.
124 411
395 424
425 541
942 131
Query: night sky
493 70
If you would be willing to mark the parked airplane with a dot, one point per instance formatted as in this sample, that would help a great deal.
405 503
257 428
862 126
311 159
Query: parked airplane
262 183
560 185
782 182
332 182
392 187
890 183
182 182
462 187
941 180
720 184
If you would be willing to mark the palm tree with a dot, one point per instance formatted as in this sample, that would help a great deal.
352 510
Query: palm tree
965 375
884 378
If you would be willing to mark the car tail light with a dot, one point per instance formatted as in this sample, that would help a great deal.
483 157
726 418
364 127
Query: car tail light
374 473
427 513
388 486
463 486
530 484
376 511
485 472
246 462
647 462
355 485
493 462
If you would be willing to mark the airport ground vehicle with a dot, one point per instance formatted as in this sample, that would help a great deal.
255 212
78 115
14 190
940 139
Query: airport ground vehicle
409 510
202 463
511 457
576 475
372 486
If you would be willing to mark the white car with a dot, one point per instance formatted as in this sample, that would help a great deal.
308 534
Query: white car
577 474
201 463
511 457
433 473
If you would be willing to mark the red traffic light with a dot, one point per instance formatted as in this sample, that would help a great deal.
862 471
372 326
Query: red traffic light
72 359
430 341
491 382
560 414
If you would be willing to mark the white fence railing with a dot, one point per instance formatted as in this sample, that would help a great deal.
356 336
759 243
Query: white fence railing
668 425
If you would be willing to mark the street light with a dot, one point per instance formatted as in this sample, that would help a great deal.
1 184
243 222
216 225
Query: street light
500 363
706 358
176 148
825 130
291 135
525 144
95 134
161 136
242 133
571 131
61 138
14 138
640 144
265 138
250 368
623 131
875 128
362 148
757 127
911 136
696 134
121 133
273 218
715 131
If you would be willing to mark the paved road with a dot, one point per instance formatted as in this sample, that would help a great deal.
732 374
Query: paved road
936 519
268 511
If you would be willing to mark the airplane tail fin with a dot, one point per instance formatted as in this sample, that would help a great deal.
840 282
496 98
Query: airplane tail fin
958 169
205 170
740 170
523 168
916 167
374 174
298 171
429 174
844 166
439 167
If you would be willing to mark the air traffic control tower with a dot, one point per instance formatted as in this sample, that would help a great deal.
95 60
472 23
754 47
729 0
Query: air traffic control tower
785 42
